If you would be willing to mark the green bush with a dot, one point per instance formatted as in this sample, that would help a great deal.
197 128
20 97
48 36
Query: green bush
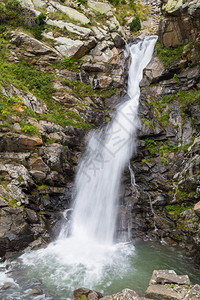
39 26
135 24
29 129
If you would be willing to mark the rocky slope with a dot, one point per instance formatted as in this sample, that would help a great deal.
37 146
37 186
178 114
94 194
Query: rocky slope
62 66
165 202
63 69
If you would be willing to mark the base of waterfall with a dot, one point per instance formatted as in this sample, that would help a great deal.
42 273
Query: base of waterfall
53 273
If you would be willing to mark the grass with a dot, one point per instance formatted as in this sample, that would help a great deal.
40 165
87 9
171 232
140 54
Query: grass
69 63
185 98
27 78
168 55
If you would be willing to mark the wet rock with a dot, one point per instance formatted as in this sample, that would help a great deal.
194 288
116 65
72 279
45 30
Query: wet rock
54 156
35 291
125 294
15 234
161 292
194 293
168 276
79 293
117 39
3 203
166 284
152 72
176 27
7 285
31 215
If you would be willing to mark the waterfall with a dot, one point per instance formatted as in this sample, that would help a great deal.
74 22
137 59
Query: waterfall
108 152
85 253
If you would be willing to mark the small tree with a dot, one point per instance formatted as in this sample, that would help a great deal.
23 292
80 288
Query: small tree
135 24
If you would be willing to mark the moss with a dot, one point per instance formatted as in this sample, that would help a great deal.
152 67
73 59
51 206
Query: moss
175 209
148 122
42 187
81 297
175 78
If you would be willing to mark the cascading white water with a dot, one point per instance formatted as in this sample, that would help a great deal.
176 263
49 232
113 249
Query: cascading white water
108 152
88 257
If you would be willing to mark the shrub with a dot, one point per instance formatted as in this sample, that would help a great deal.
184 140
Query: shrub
29 129
135 24
39 26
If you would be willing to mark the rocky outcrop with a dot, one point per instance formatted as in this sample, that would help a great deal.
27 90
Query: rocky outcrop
167 162
180 24
62 66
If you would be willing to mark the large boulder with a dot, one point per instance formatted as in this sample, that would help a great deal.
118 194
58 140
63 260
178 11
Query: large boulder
29 47
82 31
70 12
69 47
15 233
167 285
99 7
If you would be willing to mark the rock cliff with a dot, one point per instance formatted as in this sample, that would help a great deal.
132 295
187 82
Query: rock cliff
63 69
166 167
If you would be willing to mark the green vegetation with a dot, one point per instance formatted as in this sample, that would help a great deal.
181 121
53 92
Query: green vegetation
39 26
70 63
58 15
185 98
147 122
182 196
29 129
168 55
135 24
175 209
42 187
24 74
27 78
175 78
160 148
130 8
81 90
12 14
